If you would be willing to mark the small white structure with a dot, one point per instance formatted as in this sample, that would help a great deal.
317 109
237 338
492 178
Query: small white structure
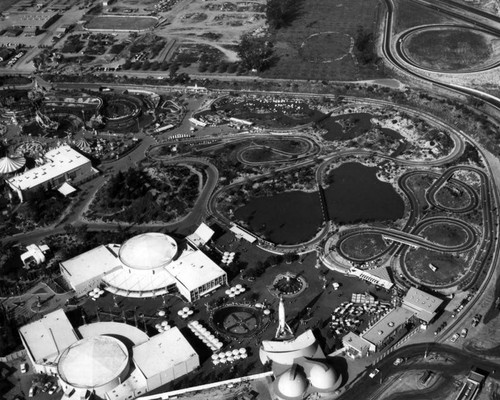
34 255
201 235
242 233
197 122
378 276
283 329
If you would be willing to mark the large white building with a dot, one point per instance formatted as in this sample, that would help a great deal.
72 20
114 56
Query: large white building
62 164
108 360
146 265
45 340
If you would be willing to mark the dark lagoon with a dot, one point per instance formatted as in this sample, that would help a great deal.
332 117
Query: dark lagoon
286 218
355 194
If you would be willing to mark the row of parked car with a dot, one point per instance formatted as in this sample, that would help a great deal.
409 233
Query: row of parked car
48 387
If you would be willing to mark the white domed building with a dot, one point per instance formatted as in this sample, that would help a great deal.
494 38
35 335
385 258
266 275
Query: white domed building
299 366
147 265
292 384
97 364
106 360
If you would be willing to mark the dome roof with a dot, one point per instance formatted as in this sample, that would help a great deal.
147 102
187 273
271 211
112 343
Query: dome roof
323 376
148 251
93 362
292 383
8 164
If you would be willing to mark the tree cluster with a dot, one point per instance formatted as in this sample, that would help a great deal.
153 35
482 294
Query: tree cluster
365 46
281 13
256 53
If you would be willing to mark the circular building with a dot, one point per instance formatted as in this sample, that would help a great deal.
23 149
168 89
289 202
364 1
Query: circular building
323 377
292 384
98 363
148 251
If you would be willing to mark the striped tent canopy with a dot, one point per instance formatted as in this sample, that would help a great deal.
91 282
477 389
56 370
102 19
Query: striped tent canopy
83 145
9 165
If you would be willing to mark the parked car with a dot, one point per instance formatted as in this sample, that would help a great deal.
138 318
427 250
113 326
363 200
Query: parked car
398 361
374 373
52 389
455 337
32 391
464 332
46 387
24 368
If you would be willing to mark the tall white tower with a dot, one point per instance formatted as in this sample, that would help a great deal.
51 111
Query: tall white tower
284 331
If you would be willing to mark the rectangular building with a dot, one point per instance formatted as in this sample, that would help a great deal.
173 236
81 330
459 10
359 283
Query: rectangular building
85 271
40 20
196 274
62 164
165 357
380 334
423 304
46 339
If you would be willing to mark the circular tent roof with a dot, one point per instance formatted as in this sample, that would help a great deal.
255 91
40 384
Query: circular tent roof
148 251
8 165
292 383
93 362
323 376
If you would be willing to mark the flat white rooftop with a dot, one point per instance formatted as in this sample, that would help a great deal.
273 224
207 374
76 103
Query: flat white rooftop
59 161
421 301
92 263
193 269
162 352
385 326
48 337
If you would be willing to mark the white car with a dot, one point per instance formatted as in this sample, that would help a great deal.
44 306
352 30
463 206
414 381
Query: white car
455 337
464 332
373 373
24 368
398 361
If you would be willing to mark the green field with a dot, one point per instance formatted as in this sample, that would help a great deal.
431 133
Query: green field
121 23
450 268
449 49
445 234
297 47
364 246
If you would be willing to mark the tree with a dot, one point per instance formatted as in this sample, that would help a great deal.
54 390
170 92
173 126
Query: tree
255 52
281 13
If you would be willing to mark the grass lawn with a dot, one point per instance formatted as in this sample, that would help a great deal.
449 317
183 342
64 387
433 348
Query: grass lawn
445 234
453 196
449 267
448 50
364 246
301 54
